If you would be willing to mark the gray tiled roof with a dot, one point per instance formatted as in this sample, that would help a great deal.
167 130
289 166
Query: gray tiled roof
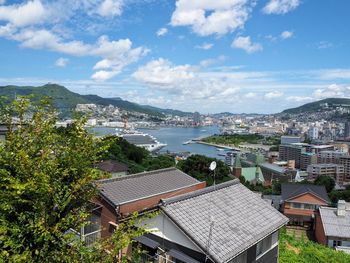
241 218
333 225
273 167
289 190
137 186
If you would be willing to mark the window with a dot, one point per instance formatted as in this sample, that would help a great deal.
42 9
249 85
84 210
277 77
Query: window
296 205
263 246
336 243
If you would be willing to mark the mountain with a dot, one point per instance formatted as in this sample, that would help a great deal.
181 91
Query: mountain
317 106
65 100
168 111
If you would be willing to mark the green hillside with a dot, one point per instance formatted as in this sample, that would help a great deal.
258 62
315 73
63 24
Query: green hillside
65 100
319 105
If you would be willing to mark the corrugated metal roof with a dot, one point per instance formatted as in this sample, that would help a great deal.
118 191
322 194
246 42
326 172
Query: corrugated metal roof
333 225
241 218
138 186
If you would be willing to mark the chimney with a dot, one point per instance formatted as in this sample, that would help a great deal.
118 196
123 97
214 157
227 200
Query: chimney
341 208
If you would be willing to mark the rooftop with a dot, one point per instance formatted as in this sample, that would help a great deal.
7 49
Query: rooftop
334 225
273 167
240 217
134 187
290 190
112 166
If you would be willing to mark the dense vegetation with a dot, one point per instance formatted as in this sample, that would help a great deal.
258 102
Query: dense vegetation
198 167
65 100
292 250
138 159
237 139
47 177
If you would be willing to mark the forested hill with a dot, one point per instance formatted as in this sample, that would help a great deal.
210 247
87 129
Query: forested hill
321 105
66 100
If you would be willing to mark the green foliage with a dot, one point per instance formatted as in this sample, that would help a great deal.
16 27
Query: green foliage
316 106
65 100
339 195
47 177
198 167
138 159
292 250
326 181
235 139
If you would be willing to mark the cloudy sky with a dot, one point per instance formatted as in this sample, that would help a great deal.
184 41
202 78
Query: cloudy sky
206 55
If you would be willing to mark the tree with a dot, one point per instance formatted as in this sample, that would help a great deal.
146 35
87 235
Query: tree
46 177
198 167
326 181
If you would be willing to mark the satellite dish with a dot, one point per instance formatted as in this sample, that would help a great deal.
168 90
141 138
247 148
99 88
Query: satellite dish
212 165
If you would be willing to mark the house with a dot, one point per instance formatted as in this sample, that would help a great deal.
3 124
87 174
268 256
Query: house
301 201
333 226
273 172
119 197
223 223
113 167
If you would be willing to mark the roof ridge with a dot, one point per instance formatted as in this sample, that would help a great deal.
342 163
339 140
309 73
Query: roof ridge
171 200
144 173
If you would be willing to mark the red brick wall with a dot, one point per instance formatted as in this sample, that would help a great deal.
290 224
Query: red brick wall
319 231
108 214
151 202
309 199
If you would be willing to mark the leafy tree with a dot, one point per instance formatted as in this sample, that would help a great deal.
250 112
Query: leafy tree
327 181
198 167
46 177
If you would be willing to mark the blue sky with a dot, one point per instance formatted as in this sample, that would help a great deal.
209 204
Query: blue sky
195 55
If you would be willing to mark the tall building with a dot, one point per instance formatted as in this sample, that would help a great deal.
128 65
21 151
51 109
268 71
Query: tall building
290 139
306 159
347 130
313 133
330 156
291 152
345 161
196 118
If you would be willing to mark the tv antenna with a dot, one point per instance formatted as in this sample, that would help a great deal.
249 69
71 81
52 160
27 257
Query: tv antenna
212 167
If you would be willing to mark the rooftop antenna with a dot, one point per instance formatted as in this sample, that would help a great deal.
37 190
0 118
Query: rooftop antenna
212 167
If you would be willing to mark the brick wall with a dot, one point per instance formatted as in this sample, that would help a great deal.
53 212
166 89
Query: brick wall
153 201
108 214
319 231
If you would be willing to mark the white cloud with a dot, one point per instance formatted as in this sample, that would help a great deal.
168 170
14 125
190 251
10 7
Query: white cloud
324 45
205 46
2 2
162 31
246 44
331 74
286 34
114 54
250 95
280 6
62 62
210 61
29 13
110 8
332 91
273 95
162 72
207 17
299 98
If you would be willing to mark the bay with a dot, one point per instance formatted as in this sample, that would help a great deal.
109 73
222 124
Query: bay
174 137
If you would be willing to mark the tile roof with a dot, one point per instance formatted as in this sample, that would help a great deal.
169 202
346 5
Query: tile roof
112 166
333 225
290 190
134 187
241 218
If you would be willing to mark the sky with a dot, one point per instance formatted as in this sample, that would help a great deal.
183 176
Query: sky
251 56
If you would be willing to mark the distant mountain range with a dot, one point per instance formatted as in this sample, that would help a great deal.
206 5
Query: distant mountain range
317 106
65 100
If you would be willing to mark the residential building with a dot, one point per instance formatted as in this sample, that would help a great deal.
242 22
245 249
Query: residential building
113 167
307 159
292 152
333 226
273 172
347 130
290 139
313 133
345 161
301 201
330 156
334 171
223 223
119 197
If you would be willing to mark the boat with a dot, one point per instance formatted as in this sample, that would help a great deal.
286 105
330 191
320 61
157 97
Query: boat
187 142
220 149
140 139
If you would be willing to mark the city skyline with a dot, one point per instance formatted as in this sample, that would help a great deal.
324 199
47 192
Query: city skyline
207 56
